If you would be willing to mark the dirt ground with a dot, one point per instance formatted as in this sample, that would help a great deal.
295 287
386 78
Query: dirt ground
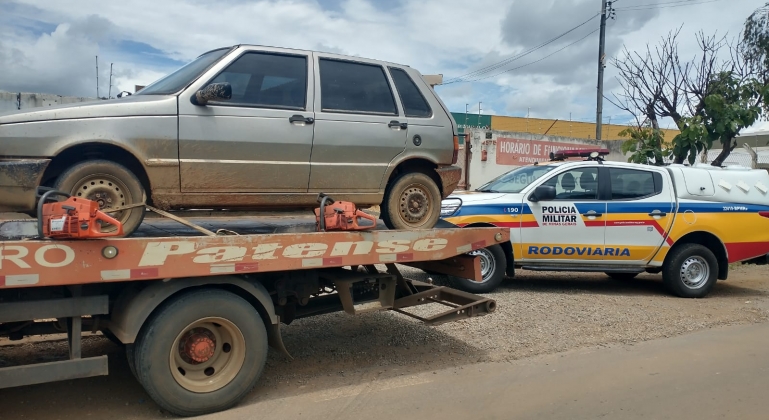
538 313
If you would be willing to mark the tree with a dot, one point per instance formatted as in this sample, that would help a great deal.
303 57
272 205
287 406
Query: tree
645 145
708 98
755 41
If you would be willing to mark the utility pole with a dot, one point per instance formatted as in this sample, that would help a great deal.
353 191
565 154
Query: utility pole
605 10
479 113
109 94
97 77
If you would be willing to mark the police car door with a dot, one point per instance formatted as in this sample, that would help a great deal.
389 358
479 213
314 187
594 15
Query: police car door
570 228
639 214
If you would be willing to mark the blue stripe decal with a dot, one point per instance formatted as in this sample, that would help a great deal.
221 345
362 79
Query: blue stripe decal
492 209
721 208
641 207
598 207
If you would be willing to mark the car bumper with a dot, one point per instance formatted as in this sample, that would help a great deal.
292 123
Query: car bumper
450 176
19 179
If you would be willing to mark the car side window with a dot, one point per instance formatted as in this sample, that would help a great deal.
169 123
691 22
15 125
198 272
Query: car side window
347 86
267 80
414 104
627 184
576 184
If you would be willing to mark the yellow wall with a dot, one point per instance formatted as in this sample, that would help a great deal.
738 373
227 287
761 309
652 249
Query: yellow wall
581 130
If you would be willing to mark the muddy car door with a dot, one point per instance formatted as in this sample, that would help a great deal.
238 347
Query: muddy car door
259 140
359 126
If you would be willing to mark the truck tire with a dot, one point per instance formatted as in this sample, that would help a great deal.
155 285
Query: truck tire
493 265
111 185
412 201
690 271
201 352
622 276
129 355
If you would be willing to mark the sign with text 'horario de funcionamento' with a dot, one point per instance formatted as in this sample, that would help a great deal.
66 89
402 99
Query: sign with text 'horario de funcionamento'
520 152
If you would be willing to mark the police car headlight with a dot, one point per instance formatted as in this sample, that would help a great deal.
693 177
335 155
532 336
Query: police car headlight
450 206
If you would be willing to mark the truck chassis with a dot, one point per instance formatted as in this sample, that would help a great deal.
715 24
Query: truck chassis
196 314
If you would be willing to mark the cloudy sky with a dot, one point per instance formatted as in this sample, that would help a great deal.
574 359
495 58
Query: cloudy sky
49 45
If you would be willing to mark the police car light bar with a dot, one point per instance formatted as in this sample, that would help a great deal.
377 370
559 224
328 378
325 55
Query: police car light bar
585 153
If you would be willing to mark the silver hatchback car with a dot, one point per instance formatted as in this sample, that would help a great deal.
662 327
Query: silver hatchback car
245 127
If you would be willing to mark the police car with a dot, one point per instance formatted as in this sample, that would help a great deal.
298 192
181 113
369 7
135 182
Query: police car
686 222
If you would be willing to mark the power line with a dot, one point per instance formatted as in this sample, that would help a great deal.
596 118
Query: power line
533 62
664 5
492 67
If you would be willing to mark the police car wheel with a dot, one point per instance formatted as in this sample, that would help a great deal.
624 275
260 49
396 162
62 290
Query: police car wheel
690 271
492 268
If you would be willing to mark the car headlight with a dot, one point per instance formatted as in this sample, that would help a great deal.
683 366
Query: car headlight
450 206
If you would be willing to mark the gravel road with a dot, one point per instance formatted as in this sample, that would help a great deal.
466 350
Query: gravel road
537 313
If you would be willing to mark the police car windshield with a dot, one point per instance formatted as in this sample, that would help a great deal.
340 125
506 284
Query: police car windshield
516 180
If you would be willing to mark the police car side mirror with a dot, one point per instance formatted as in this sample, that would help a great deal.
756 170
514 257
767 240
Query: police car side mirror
543 193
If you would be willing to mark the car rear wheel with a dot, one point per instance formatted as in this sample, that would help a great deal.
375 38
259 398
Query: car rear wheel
690 271
109 184
413 201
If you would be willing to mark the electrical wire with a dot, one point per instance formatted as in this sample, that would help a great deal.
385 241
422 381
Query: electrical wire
663 5
533 62
502 63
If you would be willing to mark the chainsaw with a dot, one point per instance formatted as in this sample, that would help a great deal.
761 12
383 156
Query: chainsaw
340 215
73 218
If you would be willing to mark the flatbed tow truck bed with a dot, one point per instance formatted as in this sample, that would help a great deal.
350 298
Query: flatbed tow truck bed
196 313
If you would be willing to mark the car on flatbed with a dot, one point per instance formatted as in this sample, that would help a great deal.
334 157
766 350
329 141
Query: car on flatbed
686 222
245 127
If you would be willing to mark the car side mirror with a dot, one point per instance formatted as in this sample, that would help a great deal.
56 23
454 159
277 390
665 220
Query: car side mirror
212 92
543 193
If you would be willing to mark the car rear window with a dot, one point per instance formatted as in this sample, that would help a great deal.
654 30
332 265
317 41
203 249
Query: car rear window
355 87
414 104
628 184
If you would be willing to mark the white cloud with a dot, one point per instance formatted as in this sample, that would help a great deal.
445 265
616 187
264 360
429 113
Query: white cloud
451 37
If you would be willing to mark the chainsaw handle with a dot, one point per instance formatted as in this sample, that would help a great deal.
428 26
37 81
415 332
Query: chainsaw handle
45 196
322 199
97 233
363 215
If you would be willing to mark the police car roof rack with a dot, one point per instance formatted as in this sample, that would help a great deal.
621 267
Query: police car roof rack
589 154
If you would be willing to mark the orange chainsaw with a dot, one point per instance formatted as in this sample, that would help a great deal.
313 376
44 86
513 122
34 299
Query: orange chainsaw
73 218
340 215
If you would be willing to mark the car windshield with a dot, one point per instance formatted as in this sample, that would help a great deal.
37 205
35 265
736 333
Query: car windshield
182 77
516 180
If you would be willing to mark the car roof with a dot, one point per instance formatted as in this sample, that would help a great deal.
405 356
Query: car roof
297 49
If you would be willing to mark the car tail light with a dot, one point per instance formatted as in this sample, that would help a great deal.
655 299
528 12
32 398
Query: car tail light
456 150
763 213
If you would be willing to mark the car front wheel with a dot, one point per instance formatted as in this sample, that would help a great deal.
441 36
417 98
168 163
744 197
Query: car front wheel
413 201
109 184
493 264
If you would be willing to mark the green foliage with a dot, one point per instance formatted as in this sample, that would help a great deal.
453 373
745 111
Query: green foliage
755 39
645 145
732 105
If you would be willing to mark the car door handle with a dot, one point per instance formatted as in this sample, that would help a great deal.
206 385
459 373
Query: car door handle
592 213
394 124
658 213
301 119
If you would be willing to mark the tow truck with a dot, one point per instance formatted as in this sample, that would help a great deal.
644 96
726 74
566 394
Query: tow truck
196 314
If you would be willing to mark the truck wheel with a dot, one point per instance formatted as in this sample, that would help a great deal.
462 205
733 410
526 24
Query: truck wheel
201 352
622 276
129 355
110 185
413 201
690 271
493 264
